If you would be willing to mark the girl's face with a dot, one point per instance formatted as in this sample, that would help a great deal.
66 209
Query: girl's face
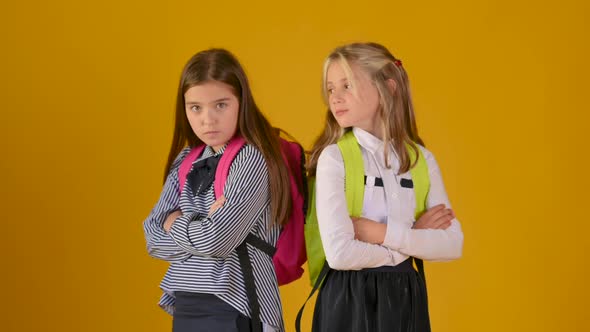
212 111
353 101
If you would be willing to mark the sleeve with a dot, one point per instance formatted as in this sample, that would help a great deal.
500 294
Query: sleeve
342 251
428 244
159 243
247 196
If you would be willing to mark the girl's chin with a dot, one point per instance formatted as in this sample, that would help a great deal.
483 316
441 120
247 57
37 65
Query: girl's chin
343 123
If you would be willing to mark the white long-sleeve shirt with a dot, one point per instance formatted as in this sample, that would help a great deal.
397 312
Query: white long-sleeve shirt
391 204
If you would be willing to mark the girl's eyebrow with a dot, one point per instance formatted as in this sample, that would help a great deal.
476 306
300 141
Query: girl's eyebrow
220 99
341 80
214 101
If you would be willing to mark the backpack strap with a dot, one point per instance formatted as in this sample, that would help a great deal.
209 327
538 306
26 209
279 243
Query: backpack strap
421 180
187 163
354 190
230 153
231 150
313 243
316 286
354 168
259 243
354 183
248 272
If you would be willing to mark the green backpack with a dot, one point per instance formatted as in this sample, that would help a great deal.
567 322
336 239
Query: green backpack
355 189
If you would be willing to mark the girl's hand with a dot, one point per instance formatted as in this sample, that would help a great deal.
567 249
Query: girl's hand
171 219
369 231
437 217
217 204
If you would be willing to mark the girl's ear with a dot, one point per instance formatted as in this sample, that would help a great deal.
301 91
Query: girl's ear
391 85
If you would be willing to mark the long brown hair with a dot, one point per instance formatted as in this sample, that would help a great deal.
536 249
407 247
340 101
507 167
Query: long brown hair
395 111
220 65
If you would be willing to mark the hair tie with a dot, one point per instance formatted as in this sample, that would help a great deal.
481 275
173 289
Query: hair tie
398 63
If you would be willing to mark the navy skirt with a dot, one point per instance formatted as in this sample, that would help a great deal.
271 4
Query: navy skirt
195 312
388 298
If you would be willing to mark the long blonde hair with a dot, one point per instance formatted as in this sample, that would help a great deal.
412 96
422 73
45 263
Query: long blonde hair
396 111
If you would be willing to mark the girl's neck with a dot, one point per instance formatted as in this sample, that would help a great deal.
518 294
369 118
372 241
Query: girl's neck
375 129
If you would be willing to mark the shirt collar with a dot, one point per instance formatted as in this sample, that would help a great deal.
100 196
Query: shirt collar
209 152
375 146
367 140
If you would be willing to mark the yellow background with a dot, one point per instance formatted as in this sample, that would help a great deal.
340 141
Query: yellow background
87 95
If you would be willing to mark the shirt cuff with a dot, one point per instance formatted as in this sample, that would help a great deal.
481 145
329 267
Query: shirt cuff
396 235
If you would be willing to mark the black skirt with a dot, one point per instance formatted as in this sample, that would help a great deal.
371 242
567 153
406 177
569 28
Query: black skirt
195 312
388 298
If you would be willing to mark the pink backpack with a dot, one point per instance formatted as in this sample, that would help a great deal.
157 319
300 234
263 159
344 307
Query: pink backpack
289 254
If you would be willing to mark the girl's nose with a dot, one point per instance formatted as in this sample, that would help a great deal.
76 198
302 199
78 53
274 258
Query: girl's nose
208 117
336 97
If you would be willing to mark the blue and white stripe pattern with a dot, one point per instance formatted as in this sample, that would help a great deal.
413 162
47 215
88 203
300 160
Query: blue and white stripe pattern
201 248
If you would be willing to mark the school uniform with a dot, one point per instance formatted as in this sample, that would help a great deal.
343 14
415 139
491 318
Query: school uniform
204 286
374 287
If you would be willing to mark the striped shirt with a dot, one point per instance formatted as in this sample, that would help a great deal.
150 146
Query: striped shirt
201 248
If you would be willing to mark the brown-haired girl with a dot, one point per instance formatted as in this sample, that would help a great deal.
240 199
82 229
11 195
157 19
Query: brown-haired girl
204 287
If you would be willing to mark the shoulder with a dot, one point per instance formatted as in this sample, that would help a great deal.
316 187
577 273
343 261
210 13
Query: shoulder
330 157
427 154
248 156
249 151
180 157
330 153
429 157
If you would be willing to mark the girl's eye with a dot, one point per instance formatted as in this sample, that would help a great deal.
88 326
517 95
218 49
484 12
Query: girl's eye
330 91
221 106
347 86
195 108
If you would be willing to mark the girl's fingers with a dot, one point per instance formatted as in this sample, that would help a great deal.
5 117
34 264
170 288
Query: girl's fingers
217 204
437 219
433 210
442 221
440 214
427 216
